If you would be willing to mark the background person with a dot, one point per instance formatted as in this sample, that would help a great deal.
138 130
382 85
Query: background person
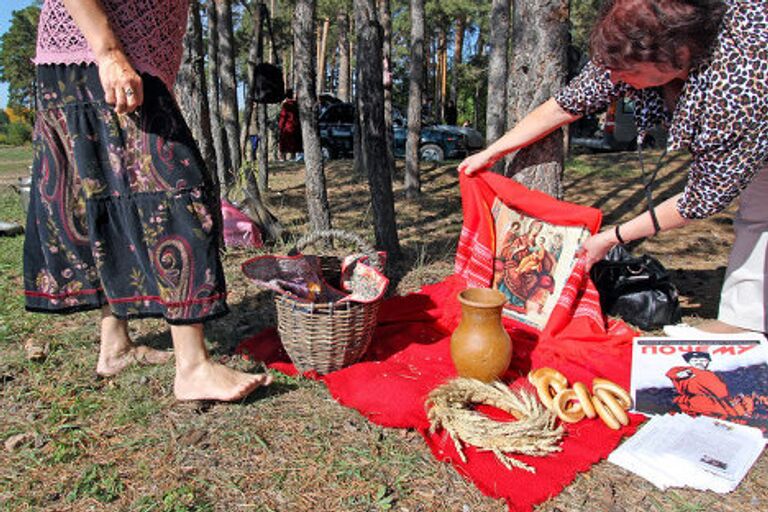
120 209
289 128
702 67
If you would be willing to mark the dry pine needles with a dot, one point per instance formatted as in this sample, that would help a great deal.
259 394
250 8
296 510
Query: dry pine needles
452 407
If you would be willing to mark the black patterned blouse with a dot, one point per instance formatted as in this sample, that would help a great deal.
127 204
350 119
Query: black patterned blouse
721 116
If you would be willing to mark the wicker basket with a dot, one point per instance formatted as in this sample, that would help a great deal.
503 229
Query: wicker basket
327 336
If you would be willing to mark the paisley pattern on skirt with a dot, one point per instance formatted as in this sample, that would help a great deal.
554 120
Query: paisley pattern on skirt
121 206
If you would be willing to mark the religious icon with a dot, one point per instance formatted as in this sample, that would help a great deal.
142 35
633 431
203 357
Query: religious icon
532 263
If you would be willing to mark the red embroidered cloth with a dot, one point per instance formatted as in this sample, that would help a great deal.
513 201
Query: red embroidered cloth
410 352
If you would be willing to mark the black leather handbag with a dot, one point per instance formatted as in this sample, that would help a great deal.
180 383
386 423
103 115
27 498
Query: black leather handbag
636 288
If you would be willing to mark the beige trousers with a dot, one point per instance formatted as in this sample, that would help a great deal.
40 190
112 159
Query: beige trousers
743 298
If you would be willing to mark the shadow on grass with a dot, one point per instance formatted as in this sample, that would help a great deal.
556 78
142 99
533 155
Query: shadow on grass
701 288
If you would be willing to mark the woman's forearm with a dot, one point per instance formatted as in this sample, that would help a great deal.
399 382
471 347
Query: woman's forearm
597 246
642 225
540 122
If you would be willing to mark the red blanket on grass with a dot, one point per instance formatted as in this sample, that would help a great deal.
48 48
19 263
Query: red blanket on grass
410 352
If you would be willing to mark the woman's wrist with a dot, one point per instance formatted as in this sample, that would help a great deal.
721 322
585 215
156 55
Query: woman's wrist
617 235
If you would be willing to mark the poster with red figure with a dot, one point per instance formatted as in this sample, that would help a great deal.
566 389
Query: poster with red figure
721 378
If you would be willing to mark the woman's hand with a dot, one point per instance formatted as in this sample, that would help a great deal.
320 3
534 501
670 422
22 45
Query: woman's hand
122 85
597 246
478 162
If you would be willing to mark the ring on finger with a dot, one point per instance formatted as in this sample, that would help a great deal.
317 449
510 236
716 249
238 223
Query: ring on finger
128 92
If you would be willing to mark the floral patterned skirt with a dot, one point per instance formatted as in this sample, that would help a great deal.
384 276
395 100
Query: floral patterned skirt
121 206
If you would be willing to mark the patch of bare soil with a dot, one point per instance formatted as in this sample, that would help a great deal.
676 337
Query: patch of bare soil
124 444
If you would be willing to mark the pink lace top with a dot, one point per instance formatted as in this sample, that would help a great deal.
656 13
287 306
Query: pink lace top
151 32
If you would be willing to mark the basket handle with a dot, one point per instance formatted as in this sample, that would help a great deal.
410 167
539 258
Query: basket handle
331 234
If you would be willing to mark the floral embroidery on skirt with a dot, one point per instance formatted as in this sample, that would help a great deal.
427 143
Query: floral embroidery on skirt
121 206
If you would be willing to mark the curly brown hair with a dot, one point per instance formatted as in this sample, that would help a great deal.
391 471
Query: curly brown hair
632 31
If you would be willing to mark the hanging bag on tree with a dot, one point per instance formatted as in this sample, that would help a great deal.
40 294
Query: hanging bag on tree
268 78
637 288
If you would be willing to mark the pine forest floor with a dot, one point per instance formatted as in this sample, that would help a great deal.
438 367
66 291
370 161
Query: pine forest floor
124 444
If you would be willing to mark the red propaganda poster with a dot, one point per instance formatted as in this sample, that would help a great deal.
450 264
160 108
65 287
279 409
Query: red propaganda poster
721 378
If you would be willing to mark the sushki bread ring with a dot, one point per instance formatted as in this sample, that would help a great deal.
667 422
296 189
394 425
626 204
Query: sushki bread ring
617 391
585 399
550 373
548 382
613 405
605 414
567 407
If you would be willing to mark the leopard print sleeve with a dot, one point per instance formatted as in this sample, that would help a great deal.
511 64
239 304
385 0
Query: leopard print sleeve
590 91
717 176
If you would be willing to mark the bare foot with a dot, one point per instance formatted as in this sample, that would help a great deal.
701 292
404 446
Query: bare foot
718 327
213 381
111 363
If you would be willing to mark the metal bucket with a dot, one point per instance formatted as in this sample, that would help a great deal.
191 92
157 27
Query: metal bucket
25 187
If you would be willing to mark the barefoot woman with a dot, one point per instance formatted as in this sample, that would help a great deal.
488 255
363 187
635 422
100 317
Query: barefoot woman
701 65
120 217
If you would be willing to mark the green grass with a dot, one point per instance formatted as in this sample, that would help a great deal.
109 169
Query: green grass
15 158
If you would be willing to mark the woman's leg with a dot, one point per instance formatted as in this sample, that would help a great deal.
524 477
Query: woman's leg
743 298
199 378
116 350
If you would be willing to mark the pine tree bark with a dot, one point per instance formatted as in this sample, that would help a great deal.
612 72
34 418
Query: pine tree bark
192 91
304 46
538 69
370 113
228 99
253 60
458 57
223 165
495 112
322 54
342 20
385 18
415 92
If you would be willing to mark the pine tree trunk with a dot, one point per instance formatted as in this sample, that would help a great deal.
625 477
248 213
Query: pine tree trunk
385 17
228 99
458 57
191 89
495 113
253 60
322 54
342 20
223 165
370 114
304 45
415 91
538 69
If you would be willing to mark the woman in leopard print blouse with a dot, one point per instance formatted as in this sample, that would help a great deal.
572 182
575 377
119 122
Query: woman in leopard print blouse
701 66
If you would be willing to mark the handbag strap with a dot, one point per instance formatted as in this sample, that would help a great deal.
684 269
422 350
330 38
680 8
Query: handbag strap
265 19
648 184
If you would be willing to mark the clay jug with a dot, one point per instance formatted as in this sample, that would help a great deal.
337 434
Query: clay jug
480 347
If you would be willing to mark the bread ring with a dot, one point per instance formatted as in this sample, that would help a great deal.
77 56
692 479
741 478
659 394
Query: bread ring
585 399
568 413
617 391
545 386
613 405
551 373
604 413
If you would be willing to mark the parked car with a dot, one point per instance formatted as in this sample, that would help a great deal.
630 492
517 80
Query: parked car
613 130
437 143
